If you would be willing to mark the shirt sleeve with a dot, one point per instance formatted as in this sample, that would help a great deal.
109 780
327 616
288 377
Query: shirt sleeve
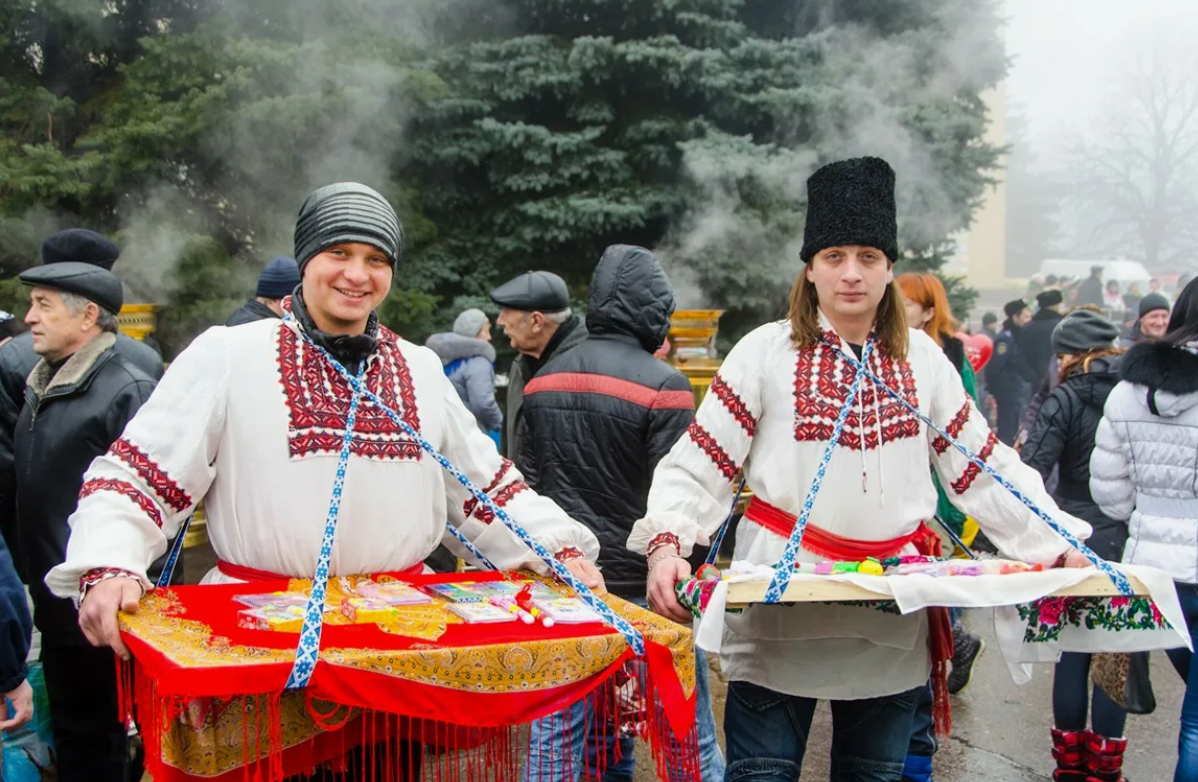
695 482
135 497
1012 526
16 626
475 455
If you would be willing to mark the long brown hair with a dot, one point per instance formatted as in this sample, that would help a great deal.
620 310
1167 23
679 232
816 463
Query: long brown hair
1079 363
890 323
928 292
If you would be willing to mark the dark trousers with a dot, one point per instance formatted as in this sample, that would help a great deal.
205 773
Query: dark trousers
90 741
1071 695
767 732
1010 415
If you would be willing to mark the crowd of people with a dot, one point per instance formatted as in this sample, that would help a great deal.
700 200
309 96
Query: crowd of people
608 464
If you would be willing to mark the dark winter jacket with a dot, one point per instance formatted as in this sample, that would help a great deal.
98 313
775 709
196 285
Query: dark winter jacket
1090 292
568 336
17 360
15 625
1035 344
597 419
249 312
1006 371
70 417
470 365
1063 434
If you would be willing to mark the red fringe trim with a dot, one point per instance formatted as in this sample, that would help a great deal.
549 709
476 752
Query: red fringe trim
449 752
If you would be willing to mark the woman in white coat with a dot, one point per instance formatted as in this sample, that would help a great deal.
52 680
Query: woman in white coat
1145 469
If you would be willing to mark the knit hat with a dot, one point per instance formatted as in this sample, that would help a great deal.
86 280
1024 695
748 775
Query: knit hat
989 318
278 279
79 245
1013 308
469 323
346 212
1153 301
851 202
1049 298
1081 331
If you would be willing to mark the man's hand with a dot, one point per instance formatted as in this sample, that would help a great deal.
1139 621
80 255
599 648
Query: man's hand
97 612
1074 558
662 577
588 574
22 706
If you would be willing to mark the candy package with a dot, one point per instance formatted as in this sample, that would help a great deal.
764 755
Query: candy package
393 593
482 613
273 599
567 610
362 610
458 593
281 619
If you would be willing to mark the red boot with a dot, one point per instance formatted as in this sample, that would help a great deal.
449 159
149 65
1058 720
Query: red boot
1104 759
1069 750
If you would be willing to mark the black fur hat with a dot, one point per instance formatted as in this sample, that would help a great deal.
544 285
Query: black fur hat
851 202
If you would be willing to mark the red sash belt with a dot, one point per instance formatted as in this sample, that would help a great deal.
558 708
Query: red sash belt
825 544
246 573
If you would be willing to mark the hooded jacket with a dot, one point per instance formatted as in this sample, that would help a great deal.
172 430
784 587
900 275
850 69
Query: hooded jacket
1145 462
1063 435
470 365
597 419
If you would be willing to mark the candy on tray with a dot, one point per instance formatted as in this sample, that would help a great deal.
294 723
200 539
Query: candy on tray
458 593
567 610
394 593
362 610
282 619
482 613
273 599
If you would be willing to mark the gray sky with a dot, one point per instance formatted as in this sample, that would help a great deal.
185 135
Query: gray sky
1064 51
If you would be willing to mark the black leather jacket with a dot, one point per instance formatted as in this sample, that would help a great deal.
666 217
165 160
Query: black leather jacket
67 421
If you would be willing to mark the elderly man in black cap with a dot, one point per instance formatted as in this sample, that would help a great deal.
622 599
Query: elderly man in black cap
17 356
1008 378
78 399
1035 342
275 283
250 420
536 318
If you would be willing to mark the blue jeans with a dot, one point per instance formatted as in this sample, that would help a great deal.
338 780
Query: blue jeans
555 752
1187 742
766 733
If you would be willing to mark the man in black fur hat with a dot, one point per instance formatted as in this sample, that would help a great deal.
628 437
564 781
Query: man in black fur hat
772 411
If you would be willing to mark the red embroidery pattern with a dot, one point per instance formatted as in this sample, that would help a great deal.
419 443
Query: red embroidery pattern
318 398
962 484
953 429
702 438
171 493
734 404
822 381
568 553
95 576
501 498
661 540
472 503
125 489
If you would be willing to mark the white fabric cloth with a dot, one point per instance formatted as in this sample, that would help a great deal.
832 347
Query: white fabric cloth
250 419
1143 469
913 593
771 409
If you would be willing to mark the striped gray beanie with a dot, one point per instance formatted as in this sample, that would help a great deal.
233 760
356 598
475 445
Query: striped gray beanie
346 212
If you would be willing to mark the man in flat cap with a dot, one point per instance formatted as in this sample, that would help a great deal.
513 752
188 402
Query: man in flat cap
17 356
78 399
251 419
772 412
275 283
535 315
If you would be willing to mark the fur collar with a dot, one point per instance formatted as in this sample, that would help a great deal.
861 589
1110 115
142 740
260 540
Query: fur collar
43 379
452 347
1162 366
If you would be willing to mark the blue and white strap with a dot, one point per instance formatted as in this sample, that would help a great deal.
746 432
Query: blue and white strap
1120 580
633 636
786 564
469 544
309 644
168 569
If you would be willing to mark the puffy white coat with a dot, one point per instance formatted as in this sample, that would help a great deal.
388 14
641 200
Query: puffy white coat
1145 462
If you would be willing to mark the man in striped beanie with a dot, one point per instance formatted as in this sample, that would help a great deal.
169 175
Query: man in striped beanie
251 420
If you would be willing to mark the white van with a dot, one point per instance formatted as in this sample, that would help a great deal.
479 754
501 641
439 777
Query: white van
1123 272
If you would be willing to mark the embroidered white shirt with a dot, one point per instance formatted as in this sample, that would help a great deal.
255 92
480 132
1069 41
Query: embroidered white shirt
251 418
771 410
